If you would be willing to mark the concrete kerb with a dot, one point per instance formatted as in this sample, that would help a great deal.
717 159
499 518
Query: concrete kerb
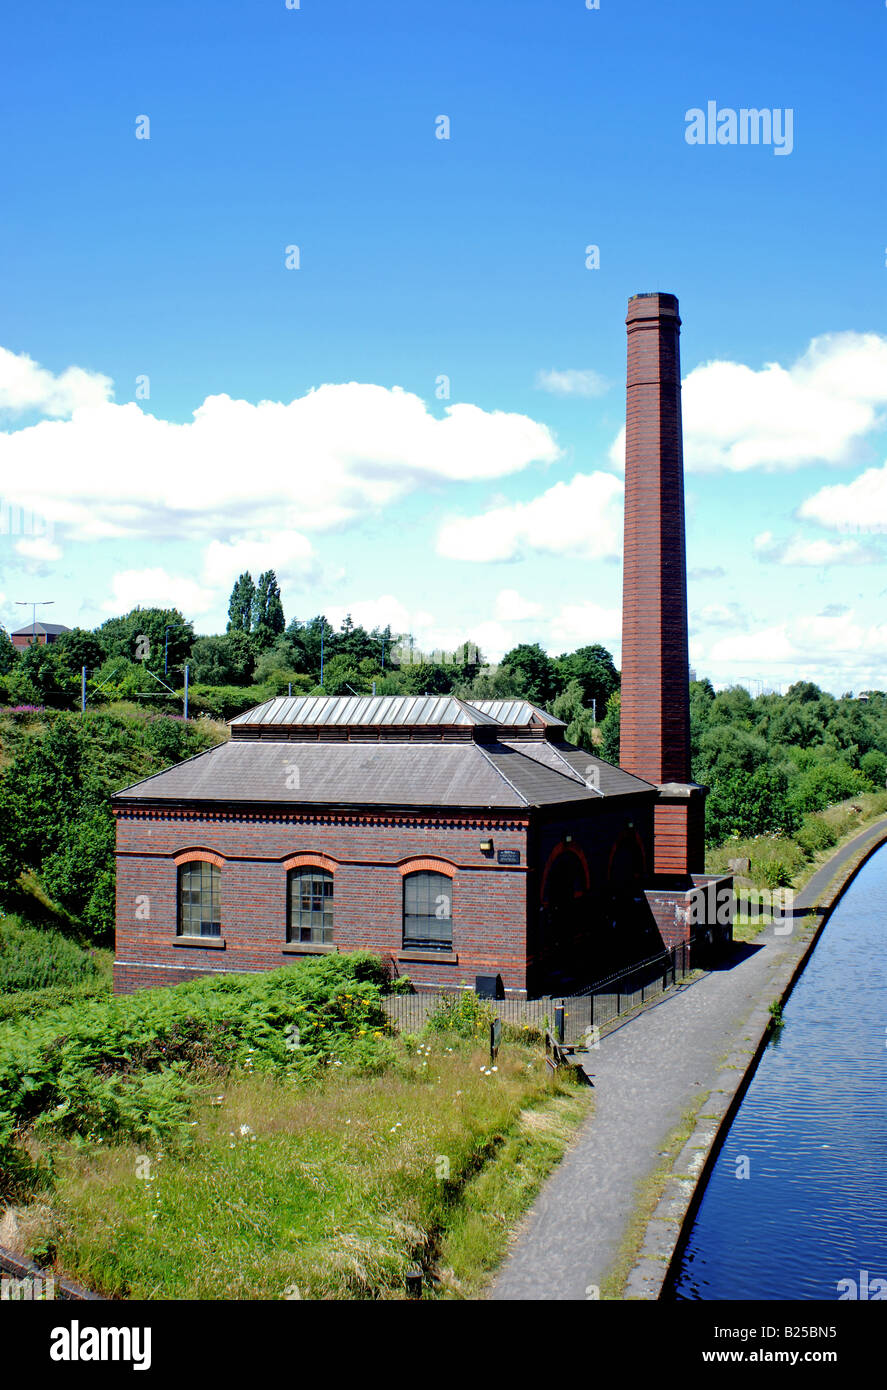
683 1189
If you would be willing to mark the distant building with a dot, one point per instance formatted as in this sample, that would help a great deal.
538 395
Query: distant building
44 634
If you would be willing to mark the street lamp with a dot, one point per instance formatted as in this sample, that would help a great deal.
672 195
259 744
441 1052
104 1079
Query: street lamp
166 632
30 603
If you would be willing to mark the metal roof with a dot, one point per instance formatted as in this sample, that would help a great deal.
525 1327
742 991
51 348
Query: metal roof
372 710
513 712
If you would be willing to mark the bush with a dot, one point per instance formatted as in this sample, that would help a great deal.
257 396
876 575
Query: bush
82 1069
815 835
33 958
873 766
461 1013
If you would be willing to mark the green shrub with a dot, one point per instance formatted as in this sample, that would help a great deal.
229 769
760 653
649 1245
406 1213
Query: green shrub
461 1013
34 958
815 835
84 1067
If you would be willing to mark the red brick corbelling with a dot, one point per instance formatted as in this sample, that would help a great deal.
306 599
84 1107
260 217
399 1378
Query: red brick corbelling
437 866
247 817
314 861
189 856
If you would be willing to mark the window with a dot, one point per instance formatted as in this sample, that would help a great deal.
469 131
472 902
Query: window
310 913
199 896
428 911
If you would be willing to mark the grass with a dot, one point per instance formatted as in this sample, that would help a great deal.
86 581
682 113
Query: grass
334 1189
844 821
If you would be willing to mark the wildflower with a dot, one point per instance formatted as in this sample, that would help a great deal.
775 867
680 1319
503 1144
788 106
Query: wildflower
245 1129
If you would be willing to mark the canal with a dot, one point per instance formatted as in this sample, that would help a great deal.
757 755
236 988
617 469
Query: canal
795 1206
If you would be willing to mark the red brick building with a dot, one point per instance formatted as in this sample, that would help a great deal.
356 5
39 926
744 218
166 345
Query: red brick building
43 634
455 840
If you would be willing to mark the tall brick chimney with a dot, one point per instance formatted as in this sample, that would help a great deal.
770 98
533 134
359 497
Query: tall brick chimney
655 718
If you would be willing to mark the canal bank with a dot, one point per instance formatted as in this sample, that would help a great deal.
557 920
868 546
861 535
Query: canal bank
608 1221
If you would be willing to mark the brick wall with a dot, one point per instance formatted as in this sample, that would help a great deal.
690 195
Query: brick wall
366 854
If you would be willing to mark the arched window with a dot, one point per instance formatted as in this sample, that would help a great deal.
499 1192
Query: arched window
199 899
428 911
310 908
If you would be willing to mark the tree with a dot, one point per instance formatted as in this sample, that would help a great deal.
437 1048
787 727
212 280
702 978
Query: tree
78 648
873 765
578 718
593 668
8 652
534 672
151 636
267 611
609 747
240 605
38 677
224 660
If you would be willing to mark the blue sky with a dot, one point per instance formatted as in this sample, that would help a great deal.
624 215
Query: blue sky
493 512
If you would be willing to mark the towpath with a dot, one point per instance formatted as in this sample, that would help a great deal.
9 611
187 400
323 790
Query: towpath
648 1074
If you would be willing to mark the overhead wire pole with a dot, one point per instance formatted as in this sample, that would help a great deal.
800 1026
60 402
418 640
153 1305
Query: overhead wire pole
30 603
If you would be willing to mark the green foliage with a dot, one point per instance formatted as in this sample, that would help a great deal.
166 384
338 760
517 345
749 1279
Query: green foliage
592 667
461 1013
815 835
240 605
55 817
267 611
141 636
224 660
8 652
534 671
32 958
873 766
225 701
119 1067
609 747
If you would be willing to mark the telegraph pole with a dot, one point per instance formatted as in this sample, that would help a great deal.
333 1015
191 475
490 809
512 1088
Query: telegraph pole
34 605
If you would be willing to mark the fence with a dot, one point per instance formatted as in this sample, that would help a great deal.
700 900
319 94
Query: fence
593 1007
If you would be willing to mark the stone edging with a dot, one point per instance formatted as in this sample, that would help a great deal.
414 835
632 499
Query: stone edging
686 1182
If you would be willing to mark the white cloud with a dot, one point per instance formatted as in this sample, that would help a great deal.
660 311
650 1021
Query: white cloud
857 506
38 548
581 624
26 386
720 615
377 612
511 607
818 410
288 553
812 646
572 382
816 553
319 461
582 518
156 588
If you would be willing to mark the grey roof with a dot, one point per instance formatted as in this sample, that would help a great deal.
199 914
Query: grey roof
52 629
304 710
469 774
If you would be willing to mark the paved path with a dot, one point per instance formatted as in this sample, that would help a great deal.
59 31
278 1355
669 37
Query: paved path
647 1075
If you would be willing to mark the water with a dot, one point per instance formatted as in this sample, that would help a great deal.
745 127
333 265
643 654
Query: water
813 1129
